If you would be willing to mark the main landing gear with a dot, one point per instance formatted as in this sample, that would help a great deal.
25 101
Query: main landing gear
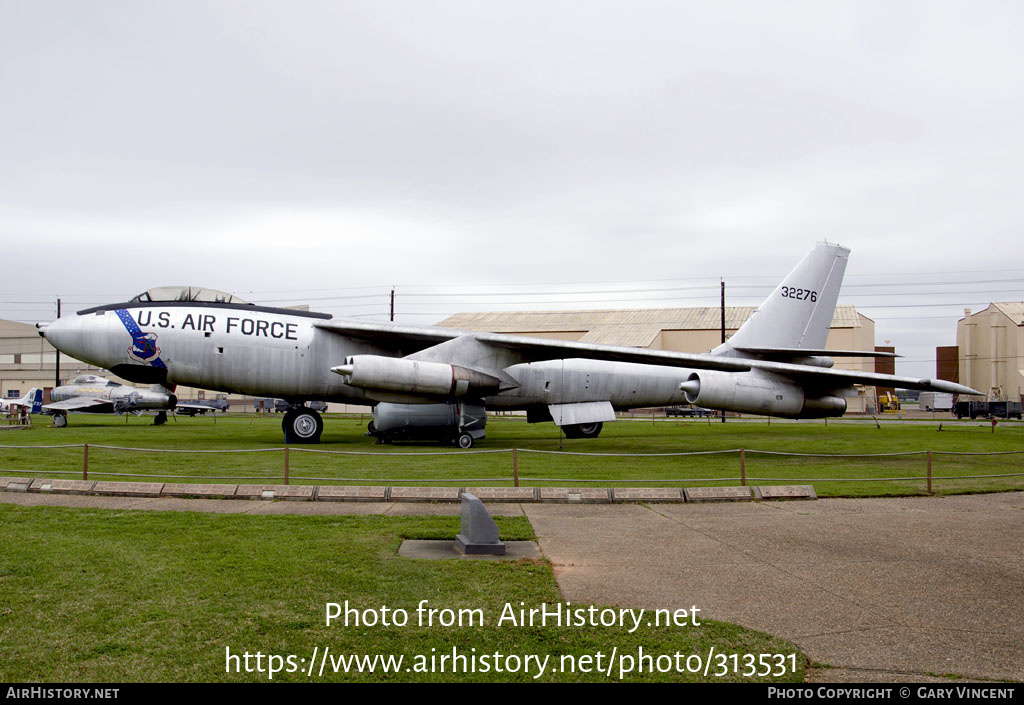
583 430
302 425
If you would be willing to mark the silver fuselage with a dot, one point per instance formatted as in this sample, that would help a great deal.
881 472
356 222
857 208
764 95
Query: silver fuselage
258 351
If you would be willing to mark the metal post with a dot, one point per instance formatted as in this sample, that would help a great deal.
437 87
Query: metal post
392 305
929 472
286 449
85 462
515 466
56 377
743 467
723 329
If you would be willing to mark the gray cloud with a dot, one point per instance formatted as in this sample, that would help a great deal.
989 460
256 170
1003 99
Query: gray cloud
263 146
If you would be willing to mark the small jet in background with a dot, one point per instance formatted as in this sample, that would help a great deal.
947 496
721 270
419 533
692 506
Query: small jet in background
99 395
33 401
191 408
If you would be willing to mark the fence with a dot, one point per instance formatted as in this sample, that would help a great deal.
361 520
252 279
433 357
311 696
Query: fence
743 454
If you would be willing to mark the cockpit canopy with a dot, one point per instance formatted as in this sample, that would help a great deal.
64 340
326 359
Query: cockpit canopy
187 293
94 379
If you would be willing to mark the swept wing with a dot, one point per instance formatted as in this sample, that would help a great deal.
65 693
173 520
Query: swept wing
92 404
527 349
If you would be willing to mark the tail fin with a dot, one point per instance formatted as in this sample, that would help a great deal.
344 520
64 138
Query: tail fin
798 314
34 400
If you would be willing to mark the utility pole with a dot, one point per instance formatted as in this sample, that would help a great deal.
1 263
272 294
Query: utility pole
56 379
722 308
392 304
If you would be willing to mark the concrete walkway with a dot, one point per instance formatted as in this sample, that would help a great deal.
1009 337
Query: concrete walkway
875 587
881 589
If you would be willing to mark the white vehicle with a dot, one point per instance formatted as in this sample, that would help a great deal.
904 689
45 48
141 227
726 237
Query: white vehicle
935 401
774 365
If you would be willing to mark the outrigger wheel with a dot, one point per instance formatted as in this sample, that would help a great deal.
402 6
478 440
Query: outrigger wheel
60 420
302 425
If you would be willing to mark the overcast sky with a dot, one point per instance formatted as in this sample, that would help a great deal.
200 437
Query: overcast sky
309 151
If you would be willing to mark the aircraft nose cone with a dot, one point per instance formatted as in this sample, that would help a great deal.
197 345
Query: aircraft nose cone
55 331
67 335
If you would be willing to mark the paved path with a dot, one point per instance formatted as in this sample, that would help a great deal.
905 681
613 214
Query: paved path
913 585
883 589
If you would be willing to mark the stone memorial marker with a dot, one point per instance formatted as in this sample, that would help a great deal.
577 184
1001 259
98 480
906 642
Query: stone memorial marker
479 532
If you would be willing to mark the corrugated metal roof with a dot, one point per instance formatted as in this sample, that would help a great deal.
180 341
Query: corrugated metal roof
632 327
1014 310
14 329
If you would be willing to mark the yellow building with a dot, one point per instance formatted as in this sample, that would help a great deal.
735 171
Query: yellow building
990 344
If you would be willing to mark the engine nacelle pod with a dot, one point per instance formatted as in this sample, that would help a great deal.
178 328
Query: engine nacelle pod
821 407
414 379
428 421
755 393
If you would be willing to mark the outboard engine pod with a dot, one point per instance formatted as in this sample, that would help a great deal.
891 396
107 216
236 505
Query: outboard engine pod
757 393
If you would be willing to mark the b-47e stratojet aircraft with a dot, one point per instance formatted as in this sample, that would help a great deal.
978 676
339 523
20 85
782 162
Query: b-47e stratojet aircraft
440 382
99 395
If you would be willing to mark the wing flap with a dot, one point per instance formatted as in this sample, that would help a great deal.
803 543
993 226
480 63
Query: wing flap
789 353
582 412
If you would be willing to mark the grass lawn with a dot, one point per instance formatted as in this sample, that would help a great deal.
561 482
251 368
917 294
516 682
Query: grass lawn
425 464
122 596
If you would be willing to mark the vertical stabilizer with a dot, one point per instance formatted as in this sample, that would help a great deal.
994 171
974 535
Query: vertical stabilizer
798 313
33 400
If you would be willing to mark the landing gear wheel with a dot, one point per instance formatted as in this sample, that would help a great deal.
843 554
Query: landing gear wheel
160 419
583 430
60 420
464 441
302 425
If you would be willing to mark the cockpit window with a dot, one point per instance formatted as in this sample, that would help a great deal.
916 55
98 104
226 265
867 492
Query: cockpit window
188 293
94 379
